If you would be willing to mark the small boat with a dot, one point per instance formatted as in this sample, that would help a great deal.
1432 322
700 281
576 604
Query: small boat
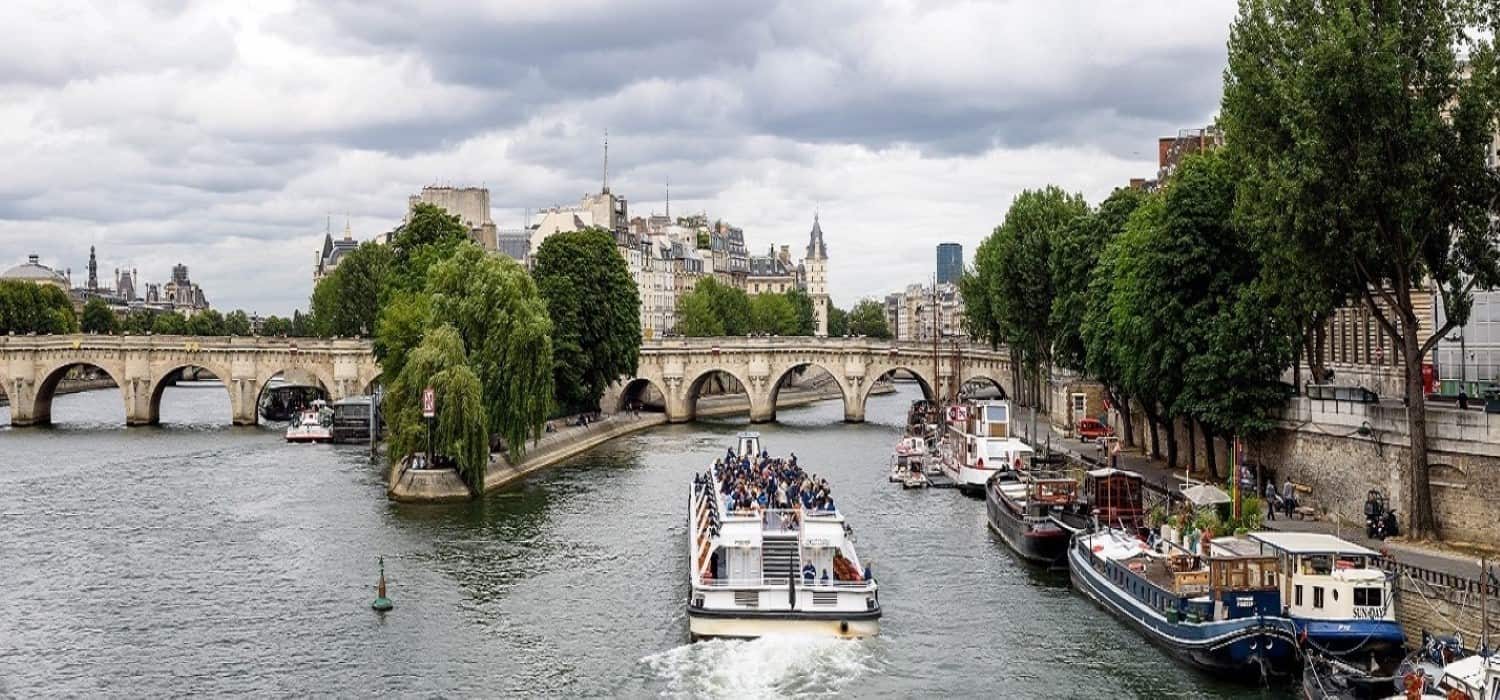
315 424
915 479
910 456
1445 669
979 443
1021 508
1343 606
1220 612
1110 498
788 566
1328 678
351 419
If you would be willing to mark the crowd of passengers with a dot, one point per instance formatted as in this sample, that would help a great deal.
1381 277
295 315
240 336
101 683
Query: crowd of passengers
761 482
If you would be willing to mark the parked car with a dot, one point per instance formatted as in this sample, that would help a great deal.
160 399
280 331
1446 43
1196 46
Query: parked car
1092 429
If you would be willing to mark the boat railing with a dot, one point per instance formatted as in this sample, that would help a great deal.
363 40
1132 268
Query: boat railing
780 583
781 520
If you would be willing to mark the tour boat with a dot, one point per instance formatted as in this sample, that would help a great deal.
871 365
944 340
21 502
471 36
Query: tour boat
1022 508
315 424
1342 605
756 570
979 443
1220 612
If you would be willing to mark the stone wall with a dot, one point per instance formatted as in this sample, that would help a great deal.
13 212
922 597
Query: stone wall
1443 604
1320 444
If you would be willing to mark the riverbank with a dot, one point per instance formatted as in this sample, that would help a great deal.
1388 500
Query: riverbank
444 486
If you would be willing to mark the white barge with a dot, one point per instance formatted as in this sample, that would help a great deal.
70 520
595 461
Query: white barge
769 553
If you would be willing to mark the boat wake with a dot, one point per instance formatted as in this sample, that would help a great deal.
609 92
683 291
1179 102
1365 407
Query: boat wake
774 666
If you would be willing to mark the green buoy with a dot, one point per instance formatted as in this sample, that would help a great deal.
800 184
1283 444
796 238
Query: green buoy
382 603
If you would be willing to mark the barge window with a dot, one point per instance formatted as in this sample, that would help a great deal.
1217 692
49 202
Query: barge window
1367 596
1297 595
1317 596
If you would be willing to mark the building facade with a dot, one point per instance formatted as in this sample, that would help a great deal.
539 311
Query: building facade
470 204
815 270
950 263
327 258
923 312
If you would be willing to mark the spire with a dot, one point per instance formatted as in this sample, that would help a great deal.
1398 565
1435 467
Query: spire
669 199
606 161
93 270
348 232
816 250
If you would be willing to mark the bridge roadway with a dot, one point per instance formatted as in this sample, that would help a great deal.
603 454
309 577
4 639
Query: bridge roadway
678 368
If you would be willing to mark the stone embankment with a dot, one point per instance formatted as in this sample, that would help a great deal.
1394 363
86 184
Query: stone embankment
443 485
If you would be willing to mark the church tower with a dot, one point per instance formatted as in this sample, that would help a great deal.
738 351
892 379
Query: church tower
93 271
816 265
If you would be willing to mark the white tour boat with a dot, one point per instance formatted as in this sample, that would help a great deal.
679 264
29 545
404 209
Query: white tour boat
315 424
757 569
979 443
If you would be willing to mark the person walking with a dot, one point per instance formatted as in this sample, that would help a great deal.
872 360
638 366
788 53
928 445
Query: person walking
1289 497
1271 500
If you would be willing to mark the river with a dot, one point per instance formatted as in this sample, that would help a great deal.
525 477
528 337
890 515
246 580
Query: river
195 558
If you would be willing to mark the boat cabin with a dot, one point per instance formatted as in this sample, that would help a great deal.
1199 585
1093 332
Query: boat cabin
1115 496
747 444
1476 676
1328 578
981 436
1233 581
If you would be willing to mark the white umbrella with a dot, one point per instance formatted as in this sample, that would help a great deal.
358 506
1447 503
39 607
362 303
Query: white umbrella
1202 495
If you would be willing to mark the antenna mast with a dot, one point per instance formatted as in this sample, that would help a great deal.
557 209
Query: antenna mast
606 161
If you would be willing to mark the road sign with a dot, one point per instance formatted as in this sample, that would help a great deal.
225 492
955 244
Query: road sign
429 403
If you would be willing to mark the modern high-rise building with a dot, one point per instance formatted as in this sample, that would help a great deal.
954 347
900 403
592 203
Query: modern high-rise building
950 263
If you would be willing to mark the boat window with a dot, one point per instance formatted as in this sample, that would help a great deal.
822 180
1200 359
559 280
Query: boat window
1297 595
1368 596
1317 564
1317 596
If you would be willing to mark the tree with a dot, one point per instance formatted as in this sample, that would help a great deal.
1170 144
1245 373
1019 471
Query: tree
346 302
807 317
1015 280
594 306
459 429
867 318
237 322
1080 310
1363 130
838 322
713 309
301 325
170 323
431 236
774 314
138 321
502 320
28 307
206 322
276 325
99 318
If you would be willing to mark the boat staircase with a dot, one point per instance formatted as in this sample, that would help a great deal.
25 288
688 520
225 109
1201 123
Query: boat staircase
779 557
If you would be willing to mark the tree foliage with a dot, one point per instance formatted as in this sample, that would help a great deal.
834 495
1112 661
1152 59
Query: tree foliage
275 326
206 322
459 429
594 307
431 236
867 318
774 314
807 316
28 307
99 318
838 322
712 309
1073 262
346 302
170 323
237 322
1362 131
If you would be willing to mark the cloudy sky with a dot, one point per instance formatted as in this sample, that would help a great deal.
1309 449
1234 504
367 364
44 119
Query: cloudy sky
223 135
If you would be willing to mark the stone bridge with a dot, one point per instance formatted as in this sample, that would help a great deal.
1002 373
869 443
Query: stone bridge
679 367
142 366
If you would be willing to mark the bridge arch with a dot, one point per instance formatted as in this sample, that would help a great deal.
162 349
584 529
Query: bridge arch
633 391
271 371
50 374
984 379
780 376
169 374
883 371
692 389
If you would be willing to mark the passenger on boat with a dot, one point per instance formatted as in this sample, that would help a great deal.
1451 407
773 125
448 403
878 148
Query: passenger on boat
808 572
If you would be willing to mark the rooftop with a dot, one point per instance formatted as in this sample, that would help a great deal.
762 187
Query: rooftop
1310 543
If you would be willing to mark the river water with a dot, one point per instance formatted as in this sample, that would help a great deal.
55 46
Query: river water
196 558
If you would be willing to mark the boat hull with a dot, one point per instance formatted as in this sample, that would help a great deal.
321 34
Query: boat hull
309 438
1381 638
733 624
1037 545
1243 649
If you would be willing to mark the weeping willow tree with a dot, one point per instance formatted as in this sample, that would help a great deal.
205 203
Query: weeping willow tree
501 319
459 429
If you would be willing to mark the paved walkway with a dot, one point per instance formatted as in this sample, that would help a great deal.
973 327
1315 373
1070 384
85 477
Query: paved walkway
1156 472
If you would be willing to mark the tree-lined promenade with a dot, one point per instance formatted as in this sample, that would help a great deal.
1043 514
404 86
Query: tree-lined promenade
1356 169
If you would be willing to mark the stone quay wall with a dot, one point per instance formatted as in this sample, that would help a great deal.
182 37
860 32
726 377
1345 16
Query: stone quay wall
1319 444
1443 604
